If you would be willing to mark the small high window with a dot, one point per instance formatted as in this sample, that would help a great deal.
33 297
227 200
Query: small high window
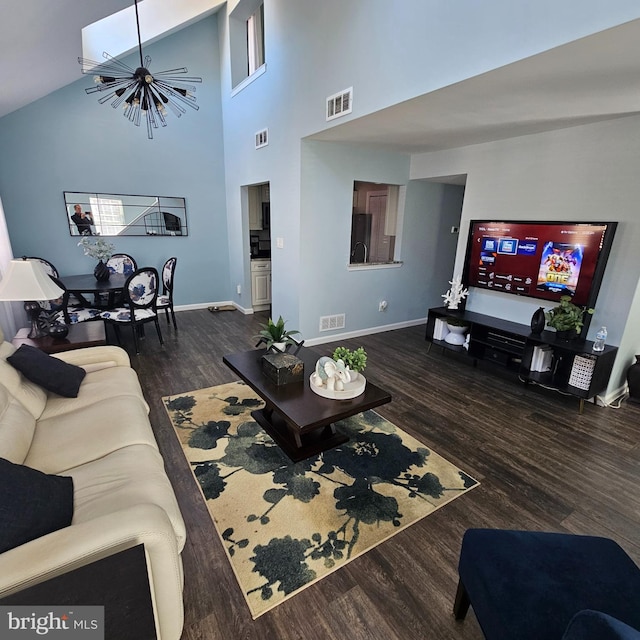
255 40
246 39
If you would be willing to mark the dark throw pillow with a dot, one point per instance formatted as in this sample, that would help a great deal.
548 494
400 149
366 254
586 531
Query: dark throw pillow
32 504
50 373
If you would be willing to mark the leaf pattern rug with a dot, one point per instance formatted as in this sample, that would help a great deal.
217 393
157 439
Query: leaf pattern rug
285 525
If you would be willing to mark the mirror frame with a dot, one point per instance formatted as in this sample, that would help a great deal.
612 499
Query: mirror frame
155 216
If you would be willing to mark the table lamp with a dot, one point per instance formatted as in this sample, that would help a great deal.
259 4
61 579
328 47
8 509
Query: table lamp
27 280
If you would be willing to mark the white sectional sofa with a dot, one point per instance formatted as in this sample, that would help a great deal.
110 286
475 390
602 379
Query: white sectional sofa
122 497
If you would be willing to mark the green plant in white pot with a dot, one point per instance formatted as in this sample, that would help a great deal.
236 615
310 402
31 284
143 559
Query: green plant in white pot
356 360
274 334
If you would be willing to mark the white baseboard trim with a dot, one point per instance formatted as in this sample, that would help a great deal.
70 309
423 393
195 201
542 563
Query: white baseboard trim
206 305
613 397
364 332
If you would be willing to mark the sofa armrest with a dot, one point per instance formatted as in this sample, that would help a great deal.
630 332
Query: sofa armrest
94 358
80 544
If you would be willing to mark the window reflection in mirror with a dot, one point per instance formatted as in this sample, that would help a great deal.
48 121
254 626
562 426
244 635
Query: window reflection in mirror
108 214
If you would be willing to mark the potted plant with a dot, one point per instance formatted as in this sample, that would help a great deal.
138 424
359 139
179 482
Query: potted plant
274 334
101 250
356 360
567 318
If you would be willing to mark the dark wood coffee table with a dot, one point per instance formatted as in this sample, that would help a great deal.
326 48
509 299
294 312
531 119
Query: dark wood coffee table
299 420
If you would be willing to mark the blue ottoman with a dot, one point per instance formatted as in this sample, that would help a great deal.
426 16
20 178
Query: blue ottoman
527 585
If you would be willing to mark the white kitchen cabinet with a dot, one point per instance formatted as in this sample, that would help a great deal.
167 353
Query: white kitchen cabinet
260 284
255 208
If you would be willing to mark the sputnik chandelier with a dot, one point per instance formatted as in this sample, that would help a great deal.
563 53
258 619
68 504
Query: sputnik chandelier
142 94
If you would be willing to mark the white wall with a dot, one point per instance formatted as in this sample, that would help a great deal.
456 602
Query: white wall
581 173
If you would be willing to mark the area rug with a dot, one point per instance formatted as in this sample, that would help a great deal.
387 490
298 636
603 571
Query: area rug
286 525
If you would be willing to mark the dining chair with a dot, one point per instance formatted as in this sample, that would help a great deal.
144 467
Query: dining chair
50 307
534 585
48 266
140 297
165 301
121 263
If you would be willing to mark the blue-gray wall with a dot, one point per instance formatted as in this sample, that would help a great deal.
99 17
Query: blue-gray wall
68 142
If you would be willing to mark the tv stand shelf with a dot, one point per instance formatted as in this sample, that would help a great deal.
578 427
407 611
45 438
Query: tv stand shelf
575 369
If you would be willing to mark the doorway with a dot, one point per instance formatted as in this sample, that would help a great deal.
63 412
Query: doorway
259 204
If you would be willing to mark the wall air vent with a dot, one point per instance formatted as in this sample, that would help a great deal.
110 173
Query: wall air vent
340 104
262 138
329 323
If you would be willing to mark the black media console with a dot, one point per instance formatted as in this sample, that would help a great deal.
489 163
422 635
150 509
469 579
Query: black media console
572 366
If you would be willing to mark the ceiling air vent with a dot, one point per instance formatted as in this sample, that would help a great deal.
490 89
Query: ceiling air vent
262 138
329 323
339 104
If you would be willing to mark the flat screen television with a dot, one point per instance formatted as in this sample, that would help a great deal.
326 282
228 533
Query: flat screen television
539 259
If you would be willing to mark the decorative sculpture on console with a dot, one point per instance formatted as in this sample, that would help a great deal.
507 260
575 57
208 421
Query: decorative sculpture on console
331 374
456 294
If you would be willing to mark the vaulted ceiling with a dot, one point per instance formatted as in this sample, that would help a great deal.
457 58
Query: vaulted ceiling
40 41
591 79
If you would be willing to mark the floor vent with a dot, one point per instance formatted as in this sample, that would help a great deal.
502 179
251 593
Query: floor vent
340 104
329 323
262 138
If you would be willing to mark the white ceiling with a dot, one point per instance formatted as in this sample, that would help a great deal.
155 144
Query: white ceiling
591 79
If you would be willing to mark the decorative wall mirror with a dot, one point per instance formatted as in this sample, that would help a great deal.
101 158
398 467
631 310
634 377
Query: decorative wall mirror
109 214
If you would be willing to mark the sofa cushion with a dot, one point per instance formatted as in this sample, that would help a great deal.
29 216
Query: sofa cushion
98 385
89 433
30 395
128 477
17 427
32 504
51 373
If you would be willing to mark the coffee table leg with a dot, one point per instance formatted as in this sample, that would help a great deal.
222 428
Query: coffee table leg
290 439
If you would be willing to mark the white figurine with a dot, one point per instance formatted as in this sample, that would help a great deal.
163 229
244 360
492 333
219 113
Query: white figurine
456 294
331 374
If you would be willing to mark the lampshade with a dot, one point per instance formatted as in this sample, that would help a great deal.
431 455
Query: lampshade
27 280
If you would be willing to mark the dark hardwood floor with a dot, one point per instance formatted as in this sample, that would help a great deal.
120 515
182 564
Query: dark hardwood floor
542 466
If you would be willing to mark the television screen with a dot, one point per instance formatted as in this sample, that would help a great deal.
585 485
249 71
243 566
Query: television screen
539 259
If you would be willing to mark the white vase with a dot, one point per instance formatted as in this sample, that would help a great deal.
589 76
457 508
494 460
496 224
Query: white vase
456 335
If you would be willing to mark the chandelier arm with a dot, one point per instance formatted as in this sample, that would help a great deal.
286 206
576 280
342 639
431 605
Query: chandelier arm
108 86
122 95
113 66
182 83
183 92
163 74
116 62
186 99
163 100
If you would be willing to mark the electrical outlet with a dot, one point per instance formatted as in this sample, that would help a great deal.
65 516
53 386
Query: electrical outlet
382 306
238 289
280 243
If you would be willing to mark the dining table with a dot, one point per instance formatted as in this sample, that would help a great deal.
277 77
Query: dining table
86 283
